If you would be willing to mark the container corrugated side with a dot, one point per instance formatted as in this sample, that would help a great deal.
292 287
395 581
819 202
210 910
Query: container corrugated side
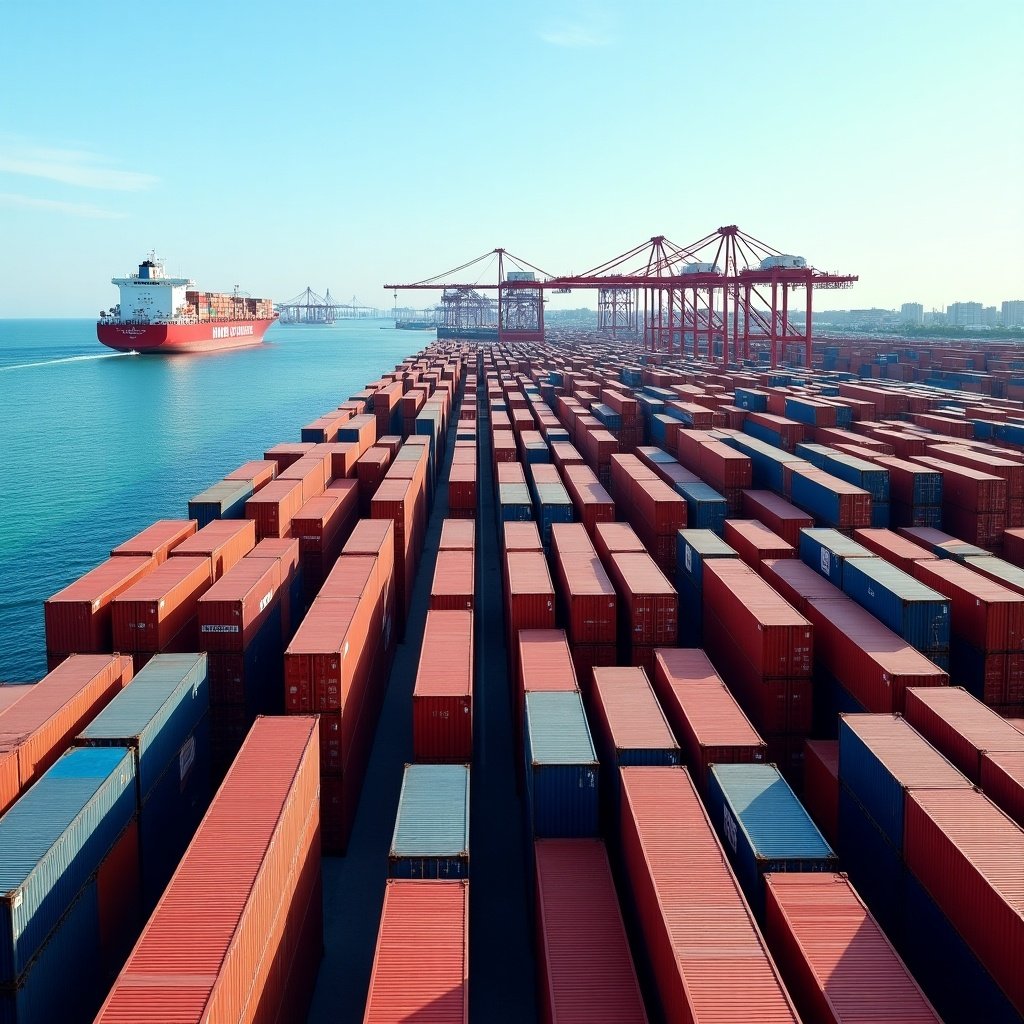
405 985
704 950
835 959
442 699
214 943
584 962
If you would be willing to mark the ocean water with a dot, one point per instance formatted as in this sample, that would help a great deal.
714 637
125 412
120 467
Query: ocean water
97 445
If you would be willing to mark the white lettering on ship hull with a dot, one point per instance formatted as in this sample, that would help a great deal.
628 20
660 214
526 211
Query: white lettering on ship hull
232 332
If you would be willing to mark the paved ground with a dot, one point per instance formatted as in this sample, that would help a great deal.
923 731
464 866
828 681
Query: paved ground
501 957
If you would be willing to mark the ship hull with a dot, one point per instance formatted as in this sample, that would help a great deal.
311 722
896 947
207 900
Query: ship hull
171 339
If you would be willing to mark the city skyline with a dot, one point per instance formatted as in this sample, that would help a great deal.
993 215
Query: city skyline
382 148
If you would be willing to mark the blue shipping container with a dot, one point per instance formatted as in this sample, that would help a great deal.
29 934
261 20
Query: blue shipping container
224 500
763 826
706 509
913 611
514 503
53 840
826 551
431 837
561 767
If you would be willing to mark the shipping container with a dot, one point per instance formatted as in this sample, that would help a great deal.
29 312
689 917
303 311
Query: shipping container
442 698
900 551
826 551
835 959
707 721
39 727
223 500
754 542
158 540
406 985
561 767
700 941
431 837
586 972
763 827
453 586
273 506
243 903
821 786
648 603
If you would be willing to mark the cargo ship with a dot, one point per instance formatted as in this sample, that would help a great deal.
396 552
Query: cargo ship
158 314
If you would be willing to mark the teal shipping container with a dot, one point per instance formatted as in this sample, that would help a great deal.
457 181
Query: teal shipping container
431 837
561 767
763 826
224 500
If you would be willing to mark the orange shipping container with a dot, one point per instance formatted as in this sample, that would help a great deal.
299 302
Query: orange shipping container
224 541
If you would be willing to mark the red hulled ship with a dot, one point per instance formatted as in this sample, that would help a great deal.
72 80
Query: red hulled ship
161 314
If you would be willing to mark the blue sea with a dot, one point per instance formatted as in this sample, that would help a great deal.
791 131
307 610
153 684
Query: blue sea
97 445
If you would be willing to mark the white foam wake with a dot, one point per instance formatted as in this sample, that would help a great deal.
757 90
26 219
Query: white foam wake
65 359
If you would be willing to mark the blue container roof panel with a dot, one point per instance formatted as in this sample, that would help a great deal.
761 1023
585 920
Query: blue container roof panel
433 812
558 729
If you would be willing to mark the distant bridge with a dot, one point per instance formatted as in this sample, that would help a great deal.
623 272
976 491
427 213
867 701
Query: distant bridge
308 307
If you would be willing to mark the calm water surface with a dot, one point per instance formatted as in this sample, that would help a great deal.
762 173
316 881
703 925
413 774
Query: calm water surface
98 445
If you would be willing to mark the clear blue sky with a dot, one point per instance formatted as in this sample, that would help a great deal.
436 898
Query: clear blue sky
349 144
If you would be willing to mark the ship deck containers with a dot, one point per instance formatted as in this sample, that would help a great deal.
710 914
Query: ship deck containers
162 719
240 924
322 525
913 611
405 984
835 959
586 972
453 586
39 727
699 938
224 543
826 551
257 473
431 837
151 614
58 933
273 506
224 500
158 540
707 721
285 552
561 767
763 827
78 619
288 453
442 698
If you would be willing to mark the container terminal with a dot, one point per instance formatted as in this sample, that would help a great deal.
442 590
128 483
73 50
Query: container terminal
669 672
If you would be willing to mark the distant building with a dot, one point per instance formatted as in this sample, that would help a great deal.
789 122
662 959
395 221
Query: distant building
965 314
1013 313
912 313
935 318
990 316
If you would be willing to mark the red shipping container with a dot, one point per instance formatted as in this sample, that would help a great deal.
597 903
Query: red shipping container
707 721
370 470
284 551
228 933
442 698
777 514
322 526
625 715
151 613
988 616
592 503
648 603
587 597
960 727
834 957
583 958
10 693
754 542
613 537
1002 781
39 727
258 473
775 638
821 786
900 551
453 585
458 535
405 985
288 453
969 488
968 855
158 540
273 506
707 957
529 593
312 472
341 458
234 609
78 618
224 541
564 454
987 462
462 489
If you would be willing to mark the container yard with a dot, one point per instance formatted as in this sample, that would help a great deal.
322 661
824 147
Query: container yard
553 677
